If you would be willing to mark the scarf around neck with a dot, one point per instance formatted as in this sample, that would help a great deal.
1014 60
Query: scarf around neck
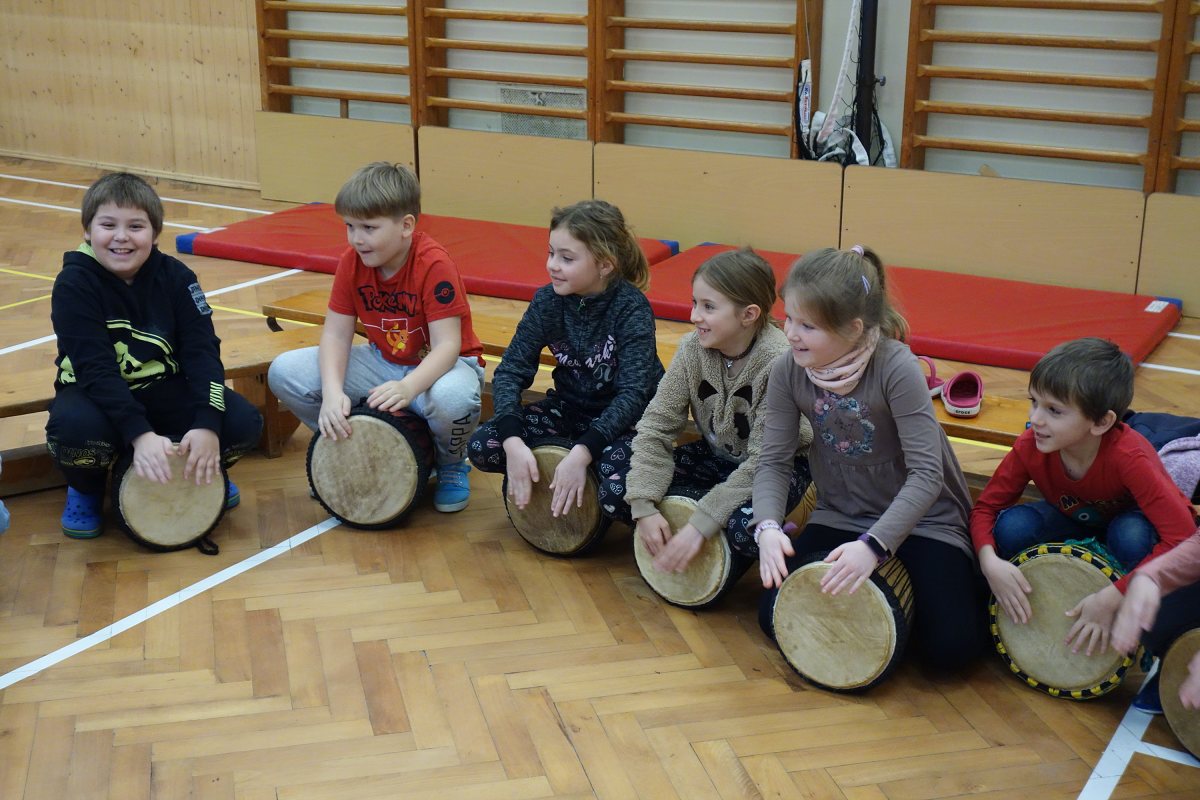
842 375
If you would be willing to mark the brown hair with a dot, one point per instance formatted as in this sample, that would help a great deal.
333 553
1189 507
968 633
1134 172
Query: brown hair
1091 374
124 190
745 278
840 286
380 189
601 228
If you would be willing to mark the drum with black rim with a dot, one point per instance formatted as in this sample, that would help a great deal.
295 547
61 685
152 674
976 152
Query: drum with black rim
167 516
1185 723
571 534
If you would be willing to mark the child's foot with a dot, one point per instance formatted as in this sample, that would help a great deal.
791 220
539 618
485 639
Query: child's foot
233 495
453 491
1147 699
83 516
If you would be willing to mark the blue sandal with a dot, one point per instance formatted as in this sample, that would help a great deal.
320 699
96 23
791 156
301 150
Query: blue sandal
83 516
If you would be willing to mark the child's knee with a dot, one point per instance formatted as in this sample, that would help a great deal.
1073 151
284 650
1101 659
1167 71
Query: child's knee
1131 537
1017 528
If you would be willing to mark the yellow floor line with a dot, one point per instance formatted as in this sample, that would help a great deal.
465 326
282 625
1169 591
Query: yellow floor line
23 302
26 274
988 445
256 314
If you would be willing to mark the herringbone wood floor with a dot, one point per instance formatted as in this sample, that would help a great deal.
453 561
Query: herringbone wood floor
447 659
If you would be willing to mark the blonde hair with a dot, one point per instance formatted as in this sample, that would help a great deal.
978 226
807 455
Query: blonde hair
839 286
380 189
745 278
601 228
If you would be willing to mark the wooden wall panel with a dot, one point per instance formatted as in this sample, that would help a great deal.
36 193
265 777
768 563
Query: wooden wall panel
1025 230
1169 247
695 197
165 88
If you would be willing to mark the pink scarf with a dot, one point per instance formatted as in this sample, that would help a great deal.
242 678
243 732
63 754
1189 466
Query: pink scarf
841 376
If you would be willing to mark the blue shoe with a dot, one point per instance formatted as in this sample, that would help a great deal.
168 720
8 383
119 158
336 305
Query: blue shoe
83 516
1147 699
233 495
453 490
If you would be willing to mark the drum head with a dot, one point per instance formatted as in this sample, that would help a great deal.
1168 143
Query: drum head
558 536
1185 723
1035 650
370 479
705 577
844 643
168 516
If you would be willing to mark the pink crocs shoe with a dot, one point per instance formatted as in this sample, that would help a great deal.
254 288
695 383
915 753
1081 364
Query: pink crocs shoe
932 380
962 395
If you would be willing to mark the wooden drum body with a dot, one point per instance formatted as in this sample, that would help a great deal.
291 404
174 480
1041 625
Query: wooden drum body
1061 575
568 535
1184 723
709 575
848 642
167 516
374 478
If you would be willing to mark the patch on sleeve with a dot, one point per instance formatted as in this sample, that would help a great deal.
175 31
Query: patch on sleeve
444 292
199 299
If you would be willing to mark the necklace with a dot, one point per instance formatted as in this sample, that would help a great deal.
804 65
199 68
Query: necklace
729 360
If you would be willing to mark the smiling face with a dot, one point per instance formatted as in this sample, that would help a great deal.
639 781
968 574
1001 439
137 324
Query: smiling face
122 239
381 242
572 267
720 324
813 346
1058 425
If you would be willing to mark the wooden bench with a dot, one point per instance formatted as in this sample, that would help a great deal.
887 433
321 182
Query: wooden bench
246 359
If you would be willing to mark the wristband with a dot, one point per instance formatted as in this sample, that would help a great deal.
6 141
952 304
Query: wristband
766 525
881 552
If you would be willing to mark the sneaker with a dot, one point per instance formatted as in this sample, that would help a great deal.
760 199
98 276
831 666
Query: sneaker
83 516
1147 698
233 495
453 491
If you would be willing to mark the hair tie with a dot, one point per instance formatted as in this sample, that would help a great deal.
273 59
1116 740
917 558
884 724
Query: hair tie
858 248
866 284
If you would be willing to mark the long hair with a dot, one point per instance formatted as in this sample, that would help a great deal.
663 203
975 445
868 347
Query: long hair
839 286
745 278
601 228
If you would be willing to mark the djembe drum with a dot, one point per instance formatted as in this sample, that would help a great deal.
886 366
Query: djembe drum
1184 723
570 534
168 516
1061 575
375 477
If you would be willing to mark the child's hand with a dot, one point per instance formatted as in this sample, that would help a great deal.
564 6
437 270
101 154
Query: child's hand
1138 610
1189 690
1095 618
391 396
570 477
150 453
654 532
331 421
853 562
1008 584
522 471
773 548
203 449
680 550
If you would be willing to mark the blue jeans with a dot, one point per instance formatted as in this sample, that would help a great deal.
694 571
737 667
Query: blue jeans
1129 536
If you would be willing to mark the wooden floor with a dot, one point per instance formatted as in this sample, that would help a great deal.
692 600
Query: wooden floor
448 660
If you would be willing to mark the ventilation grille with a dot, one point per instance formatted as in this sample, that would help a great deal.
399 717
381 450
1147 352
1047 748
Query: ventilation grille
552 127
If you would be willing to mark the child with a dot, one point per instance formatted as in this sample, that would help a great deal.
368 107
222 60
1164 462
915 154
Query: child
719 373
139 363
888 483
599 327
422 353
1099 478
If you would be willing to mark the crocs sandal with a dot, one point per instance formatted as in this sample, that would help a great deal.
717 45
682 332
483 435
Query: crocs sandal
83 515
962 395
934 383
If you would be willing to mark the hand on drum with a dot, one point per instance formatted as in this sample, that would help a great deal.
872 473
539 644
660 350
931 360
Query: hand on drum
522 470
1189 690
1008 585
570 478
773 548
150 453
1138 610
391 396
853 562
332 423
654 531
203 451
1095 618
680 550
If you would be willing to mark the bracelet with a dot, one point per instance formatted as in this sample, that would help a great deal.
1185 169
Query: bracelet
766 525
881 552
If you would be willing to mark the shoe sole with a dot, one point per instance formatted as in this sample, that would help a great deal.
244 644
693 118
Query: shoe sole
233 502
73 534
450 508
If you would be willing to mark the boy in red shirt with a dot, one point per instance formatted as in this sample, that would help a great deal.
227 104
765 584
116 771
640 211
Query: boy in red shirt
422 354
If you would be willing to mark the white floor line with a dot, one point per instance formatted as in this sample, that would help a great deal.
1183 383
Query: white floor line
24 345
1126 740
1184 370
1184 335
167 603
1169 754
76 211
164 199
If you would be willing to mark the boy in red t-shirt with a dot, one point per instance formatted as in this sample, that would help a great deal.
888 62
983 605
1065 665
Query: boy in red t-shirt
421 353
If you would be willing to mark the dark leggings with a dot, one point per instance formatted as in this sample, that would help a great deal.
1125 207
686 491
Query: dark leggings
1178 614
948 629
84 443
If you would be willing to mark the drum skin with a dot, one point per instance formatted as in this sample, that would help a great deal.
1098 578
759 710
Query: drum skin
569 535
1184 723
167 516
373 479
1061 575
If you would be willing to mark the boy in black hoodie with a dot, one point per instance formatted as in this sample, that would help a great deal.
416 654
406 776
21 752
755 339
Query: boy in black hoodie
139 364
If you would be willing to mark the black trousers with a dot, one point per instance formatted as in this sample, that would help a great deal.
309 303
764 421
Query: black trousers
84 443
1178 614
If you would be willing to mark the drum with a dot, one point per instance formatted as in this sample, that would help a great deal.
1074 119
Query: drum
848 642
1061 575
1184 723
374 478
711 572
167 516
569 535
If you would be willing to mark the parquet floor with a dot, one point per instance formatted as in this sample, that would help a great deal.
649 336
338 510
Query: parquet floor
447 659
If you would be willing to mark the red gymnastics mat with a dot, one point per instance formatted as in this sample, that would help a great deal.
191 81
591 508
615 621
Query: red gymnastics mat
494 258
969 318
